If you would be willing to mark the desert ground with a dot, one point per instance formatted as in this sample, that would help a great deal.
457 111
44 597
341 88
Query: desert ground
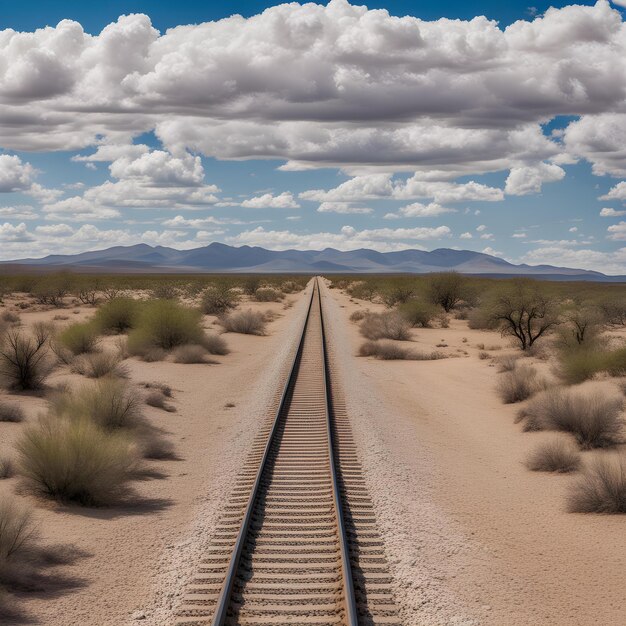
471 535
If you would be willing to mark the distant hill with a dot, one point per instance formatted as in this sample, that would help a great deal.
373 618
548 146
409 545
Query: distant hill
218 257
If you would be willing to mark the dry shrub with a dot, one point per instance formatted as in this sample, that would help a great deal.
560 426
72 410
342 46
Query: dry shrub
25 358
109 402
246 322
592 417
556 455
118 315
100 364
152 355
157 399
388 351
385 326
601 487
507 363
74 459
268 294
419 313
214 344
190 353
10 318
10 412
218 299
17 539
6 468
79 338
519 384
482 355
357 316
166 390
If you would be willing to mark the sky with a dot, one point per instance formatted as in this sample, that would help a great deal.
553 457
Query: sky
491 126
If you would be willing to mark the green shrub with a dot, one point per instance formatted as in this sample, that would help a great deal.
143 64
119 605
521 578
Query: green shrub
117 315
218 299
110 403
76 460
164 324
419 313
79 338
601 488
245 322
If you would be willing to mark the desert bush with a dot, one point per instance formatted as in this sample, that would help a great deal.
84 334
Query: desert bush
164 324
158 399
480 319
601 487
556 455
51 290
17 535
385 326
74 459
109 402
482 355
582 324
613 311
79 338
25 358
214 344
396 294
419 313
290 286
246 322
218 299
189 353
388 351
361 290
117 315
518 384
267 294
164 291
524 310
87 292
99 364
251 284
10 318
357 316
580 362
6 469
166 390
594 418
447 289
10 412
507 363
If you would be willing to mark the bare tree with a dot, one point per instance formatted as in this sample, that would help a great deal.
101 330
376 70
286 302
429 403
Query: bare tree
525 311
24 358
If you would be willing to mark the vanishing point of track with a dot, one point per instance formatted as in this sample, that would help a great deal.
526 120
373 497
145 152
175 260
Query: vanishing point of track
297 542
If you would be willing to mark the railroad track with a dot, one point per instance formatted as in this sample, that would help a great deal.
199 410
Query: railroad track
297 543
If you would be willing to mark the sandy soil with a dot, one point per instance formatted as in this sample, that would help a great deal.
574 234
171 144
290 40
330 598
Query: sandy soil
135 559
473 537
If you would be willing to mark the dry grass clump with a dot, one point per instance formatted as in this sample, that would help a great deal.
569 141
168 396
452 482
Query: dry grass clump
385 326
10 412
214 344
6 468
118 315
482 355
268 294
601 487
74 459
158 399
519 384
109 402
164 325
507 363
17 539
100 364
218 299
594 418
246 322
357 316
166 390
79 338
388 351
190 353
556 455
24 358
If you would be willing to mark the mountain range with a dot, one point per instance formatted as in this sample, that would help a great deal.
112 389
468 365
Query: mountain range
218 257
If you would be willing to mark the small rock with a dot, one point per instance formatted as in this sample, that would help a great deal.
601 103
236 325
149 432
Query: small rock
138 615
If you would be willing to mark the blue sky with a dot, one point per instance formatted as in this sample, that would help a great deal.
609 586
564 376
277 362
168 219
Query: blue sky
406 125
